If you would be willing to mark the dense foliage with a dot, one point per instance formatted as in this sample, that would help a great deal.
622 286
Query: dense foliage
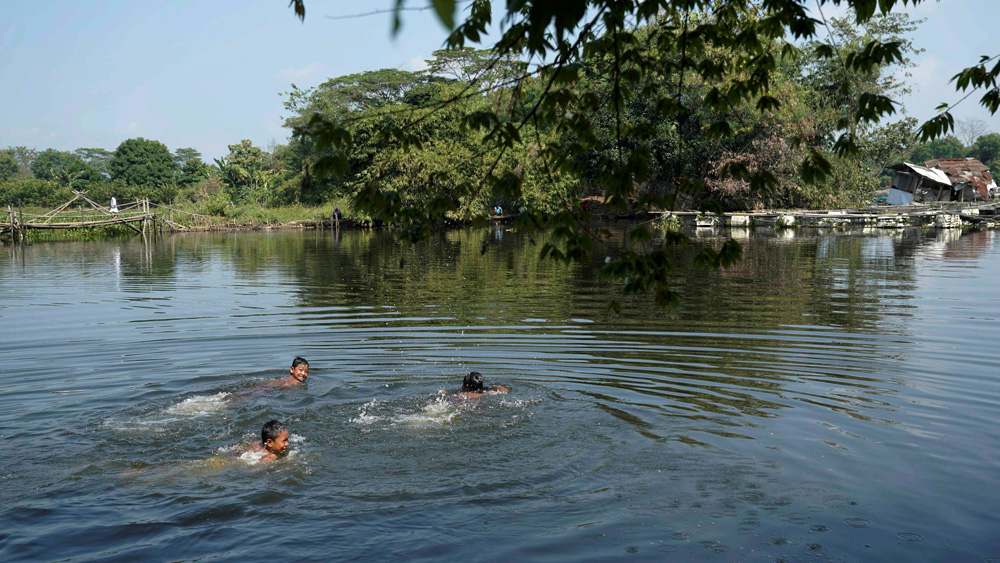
651 105
141 162
691 104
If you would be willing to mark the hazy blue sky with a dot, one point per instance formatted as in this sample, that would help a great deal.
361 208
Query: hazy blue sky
206 74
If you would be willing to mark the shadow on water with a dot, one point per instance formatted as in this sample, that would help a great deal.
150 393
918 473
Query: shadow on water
816 401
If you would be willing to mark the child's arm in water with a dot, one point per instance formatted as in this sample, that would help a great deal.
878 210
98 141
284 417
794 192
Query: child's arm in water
265 455
492 390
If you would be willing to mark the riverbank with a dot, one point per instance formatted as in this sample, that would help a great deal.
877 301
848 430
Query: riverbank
939 216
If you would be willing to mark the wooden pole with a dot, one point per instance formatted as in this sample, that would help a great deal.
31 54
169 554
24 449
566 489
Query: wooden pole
20 220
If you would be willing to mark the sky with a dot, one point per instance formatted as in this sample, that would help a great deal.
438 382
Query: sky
209 74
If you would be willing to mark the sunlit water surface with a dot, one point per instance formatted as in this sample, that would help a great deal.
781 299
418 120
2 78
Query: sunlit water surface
832 397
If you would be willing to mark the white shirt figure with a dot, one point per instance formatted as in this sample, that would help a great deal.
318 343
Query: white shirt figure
114 205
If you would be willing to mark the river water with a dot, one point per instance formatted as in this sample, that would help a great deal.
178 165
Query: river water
832 397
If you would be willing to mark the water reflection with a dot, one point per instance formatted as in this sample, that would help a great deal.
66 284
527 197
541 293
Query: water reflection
793 405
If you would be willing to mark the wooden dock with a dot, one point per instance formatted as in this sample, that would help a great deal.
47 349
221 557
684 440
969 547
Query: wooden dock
136 216
940 216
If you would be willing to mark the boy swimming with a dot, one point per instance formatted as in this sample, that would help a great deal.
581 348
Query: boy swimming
297 374
474 388
273 441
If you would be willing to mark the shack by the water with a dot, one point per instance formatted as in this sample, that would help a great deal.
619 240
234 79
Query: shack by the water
944 179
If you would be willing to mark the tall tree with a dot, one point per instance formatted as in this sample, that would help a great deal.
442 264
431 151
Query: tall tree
354 92
987 150
948 147
484 68
8 166
969 130
182 156
62 167
245 173
843 90
96 158
142 162
23 156
192 172
749 41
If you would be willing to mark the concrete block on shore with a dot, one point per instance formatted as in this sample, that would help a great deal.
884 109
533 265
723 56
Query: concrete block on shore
833 222
784 221
739 220
705 220
947 221
891 221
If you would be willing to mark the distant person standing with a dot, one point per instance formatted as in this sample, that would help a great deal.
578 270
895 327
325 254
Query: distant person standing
114 206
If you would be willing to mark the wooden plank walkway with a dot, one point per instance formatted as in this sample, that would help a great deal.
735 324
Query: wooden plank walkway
63 218
84 224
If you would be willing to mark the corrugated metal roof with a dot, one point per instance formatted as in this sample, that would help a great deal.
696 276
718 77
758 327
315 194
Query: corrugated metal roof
930 173
955 165
962 170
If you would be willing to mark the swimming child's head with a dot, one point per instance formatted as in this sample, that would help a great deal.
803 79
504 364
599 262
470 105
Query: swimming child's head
274 436
473 383
300 369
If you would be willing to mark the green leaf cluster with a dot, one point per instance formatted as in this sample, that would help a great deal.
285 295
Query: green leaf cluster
643 106
140 162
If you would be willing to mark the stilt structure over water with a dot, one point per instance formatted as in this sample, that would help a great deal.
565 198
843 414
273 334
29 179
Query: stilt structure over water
940 215
136 216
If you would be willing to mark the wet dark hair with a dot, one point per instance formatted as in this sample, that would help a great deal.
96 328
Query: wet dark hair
271 430
299 360
473 383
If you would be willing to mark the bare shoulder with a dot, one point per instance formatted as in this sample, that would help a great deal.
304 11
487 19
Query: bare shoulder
257 453
282 382
258 447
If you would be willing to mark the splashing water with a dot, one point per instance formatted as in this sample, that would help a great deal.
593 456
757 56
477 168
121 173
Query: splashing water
200 405
365 416
438 412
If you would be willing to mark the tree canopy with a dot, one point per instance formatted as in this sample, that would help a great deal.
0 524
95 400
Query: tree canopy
8 166
987 150
245 172
140 162
629 97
